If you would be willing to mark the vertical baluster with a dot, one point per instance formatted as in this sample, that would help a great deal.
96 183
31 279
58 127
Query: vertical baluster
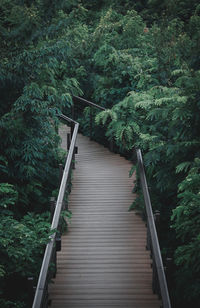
53 265
73 156
58 242
148 246
31 289
73 160
68 141
155 284
52 271
72 124
157 220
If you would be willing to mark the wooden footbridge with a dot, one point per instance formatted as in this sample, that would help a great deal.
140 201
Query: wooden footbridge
104 261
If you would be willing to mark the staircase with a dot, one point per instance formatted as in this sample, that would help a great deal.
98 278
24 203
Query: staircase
103 262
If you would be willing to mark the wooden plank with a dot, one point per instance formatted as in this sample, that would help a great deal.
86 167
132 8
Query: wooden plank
91 296
122 304
103 262
109 303
133 287
99 289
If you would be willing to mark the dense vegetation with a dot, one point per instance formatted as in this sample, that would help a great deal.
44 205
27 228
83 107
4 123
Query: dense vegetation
34 87
140 59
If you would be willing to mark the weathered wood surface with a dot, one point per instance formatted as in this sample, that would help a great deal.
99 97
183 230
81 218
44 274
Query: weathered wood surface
103 262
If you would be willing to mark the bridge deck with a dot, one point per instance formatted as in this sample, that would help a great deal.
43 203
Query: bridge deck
103 262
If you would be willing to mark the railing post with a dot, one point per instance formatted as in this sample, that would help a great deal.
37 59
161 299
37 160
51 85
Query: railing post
60 173
69 136
73 116
155 282
31 289
68 141
91 122
73 160
73 156
148 246
54 262
68 186
157 220
52 206
58 242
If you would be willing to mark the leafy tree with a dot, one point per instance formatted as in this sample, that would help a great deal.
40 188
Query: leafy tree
36 83
162 119
21 245
186 220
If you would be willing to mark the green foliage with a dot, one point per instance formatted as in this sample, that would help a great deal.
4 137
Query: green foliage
11 304
186 222
22 245
141 62
153 84
22 242
36 83
8 195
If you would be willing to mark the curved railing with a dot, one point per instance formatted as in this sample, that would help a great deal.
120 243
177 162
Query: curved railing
41 294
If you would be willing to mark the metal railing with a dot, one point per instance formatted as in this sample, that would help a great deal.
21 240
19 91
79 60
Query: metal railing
159 279
88 103
41 294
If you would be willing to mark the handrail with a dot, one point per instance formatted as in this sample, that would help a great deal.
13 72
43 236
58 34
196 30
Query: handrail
38 299
64 117
80 99
157 258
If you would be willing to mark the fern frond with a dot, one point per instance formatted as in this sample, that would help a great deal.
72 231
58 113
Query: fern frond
183 167
103 116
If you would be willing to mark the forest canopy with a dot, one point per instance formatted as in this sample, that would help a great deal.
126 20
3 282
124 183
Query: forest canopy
140 60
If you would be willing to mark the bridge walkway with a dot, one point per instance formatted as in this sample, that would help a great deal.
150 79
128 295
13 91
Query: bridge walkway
103 262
